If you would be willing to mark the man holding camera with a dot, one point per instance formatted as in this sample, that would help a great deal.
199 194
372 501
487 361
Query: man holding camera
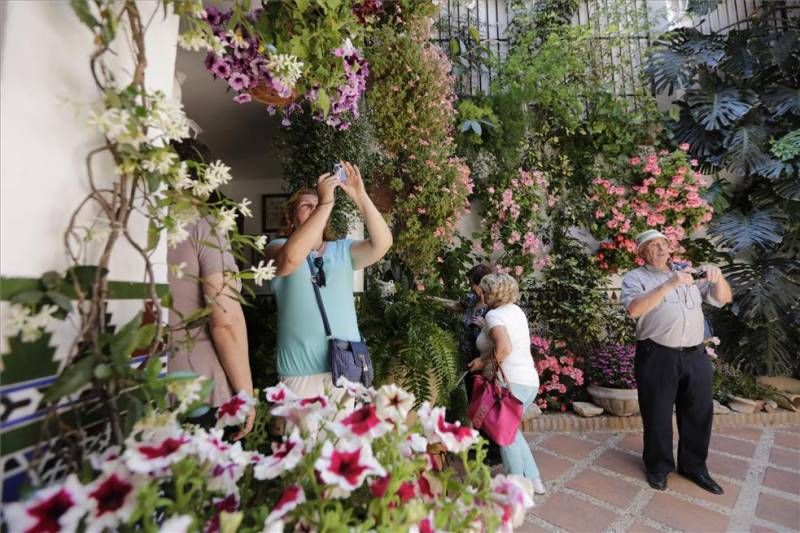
671 366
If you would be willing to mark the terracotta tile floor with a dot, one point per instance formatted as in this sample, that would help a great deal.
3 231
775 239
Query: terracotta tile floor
595 482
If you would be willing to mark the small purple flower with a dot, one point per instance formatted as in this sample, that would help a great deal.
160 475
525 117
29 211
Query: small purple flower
238 81
242 98
214 16
221 69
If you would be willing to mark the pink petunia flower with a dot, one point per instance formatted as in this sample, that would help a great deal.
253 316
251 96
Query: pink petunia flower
234 411
292 496
285 456
148 458
51 510
347 465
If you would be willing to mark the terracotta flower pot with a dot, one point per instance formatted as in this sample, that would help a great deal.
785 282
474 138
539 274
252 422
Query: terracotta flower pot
383 197
619 402
267 95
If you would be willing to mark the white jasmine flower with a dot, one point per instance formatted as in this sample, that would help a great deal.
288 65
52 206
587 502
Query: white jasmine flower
182 181
177 270
167 115
161 161
226 219
286 68
176 234
260 243
16 319
244 207
96 233
201 189
217 173
193 41
262 272
21 321
113 122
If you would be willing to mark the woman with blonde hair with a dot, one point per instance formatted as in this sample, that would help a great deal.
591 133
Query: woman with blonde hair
506 338
308 255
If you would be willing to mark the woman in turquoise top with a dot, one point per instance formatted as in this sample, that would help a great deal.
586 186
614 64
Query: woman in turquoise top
302 346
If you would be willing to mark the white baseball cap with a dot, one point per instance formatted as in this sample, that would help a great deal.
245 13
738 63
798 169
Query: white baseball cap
648 235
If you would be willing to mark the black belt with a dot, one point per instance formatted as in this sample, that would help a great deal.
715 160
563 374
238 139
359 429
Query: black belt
694 348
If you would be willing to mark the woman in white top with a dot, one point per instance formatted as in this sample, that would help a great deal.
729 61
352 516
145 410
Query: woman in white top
506 334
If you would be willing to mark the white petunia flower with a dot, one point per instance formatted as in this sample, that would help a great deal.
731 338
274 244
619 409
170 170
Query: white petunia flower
262 272
59 506
177 524
393 403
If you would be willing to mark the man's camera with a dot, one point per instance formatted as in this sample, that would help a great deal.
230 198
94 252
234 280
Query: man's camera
699 274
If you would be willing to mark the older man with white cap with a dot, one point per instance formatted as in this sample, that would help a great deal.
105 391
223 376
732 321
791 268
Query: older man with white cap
671 366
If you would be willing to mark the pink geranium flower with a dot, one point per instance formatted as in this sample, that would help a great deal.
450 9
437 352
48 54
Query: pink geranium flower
234 411
285 456
51 510
348 465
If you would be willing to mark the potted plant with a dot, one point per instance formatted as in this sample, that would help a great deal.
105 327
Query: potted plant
612 384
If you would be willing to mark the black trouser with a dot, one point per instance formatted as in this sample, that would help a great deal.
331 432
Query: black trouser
667 376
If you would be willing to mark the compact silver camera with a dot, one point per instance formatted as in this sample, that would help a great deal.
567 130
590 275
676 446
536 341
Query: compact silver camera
339 172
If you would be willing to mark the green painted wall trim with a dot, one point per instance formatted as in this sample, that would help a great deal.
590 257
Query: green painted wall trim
117 290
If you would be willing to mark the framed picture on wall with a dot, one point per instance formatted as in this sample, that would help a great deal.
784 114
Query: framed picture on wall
271 211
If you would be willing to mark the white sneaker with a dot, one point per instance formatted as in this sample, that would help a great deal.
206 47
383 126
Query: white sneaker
538 486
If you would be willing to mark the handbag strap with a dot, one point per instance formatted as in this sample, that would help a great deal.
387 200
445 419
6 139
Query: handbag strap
499 367
319 300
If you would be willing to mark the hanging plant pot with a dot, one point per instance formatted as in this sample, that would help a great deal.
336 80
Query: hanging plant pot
383 197
269 96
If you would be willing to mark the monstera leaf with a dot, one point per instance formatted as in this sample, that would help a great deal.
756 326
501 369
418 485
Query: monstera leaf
784 48
789 188
780 100
670 65
775 344
739 231
764 290
718 108
718 195
739 61
704 143
744 147
773 169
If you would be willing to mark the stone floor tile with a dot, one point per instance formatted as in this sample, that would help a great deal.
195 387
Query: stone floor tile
779 510
683 515
749 433
733 446
682 485
640 527
573 514
622 463
608 489
762 529
787 440
782 480
632 441
785 458
528 527
569 446
727 466
549 465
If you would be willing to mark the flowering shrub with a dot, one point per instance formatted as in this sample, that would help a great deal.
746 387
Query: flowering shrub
560 380
664 193
513 213
413 116
612 366
356 468
300 51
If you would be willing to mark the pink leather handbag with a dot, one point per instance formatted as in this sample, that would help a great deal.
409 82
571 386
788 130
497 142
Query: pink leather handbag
494 409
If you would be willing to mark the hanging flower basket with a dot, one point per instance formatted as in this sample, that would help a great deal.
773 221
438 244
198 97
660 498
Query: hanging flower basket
269 96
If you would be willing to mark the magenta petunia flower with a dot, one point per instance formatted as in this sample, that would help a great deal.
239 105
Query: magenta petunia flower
221 69
285 456
234 411
51 510
361 423
228 504
147 458
348 465
511 496
238 81
289 500
112 500
280 394
242 98
455 437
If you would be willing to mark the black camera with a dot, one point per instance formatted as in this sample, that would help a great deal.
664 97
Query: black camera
699 274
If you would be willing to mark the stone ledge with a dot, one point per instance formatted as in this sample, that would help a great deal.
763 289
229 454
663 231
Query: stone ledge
570 422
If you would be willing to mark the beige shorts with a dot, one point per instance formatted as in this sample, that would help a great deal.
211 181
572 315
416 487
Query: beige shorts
317 385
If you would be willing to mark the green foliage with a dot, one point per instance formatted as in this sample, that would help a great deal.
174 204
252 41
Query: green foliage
572 302
261 318
309 148
474 122
411 341
732 381
741 114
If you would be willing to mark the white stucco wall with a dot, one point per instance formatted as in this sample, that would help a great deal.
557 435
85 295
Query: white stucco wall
46 91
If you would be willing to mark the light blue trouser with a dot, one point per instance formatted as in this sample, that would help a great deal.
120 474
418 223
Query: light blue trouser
517 456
